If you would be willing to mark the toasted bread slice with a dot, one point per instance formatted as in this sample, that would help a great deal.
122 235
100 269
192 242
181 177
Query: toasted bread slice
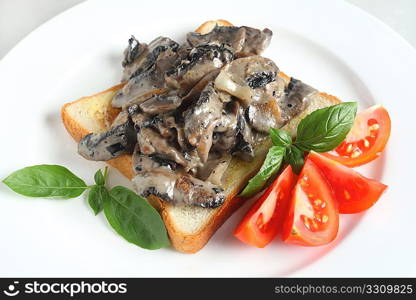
189 228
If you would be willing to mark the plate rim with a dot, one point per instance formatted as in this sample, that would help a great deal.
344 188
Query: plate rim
309 269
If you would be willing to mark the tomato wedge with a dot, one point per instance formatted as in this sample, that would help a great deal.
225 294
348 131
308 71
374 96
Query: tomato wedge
264 219
354 192
312 218
366 140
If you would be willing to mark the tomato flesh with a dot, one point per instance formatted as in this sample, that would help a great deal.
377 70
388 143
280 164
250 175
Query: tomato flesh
366 140
354 192
264 219
312 218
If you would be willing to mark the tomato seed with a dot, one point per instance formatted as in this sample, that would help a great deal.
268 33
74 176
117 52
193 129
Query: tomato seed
318 217
374 127
317 202
356 153
347 194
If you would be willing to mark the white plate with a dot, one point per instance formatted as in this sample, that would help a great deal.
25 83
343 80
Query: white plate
328 44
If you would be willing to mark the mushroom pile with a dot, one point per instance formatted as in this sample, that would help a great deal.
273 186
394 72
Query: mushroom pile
187 109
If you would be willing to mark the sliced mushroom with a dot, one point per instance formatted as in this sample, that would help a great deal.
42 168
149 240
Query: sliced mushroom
244 147
295 99
168 121
121 118
133 51
164 123
217 173
281 105
110 144
200 61
213 170
178 188
161 103
264 115
228 118
151 142
134 56
256 41
247 78
195 92
194 161
140 57
141 88
255 82
167 127
144 163
201 119
243 40
148 76
225 132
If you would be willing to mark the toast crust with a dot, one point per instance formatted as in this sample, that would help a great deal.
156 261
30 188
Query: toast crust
209 25
181 241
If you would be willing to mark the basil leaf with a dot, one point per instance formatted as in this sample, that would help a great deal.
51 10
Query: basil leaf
97 196
324 129
280 137
99 178
295 157
270 167
46 181
135 219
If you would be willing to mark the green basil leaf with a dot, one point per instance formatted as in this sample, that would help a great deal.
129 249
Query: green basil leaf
295 157
135 219
270 167
280 137
99 178
46 181
324 129
97 196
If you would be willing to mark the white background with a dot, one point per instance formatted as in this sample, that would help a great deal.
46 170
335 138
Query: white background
19 17
40 238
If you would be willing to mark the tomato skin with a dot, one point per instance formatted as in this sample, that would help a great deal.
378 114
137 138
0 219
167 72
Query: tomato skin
354 192
366 140
312 218
264 219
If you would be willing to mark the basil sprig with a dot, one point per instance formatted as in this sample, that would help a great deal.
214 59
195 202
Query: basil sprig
320 131
98 193
295 158
130 215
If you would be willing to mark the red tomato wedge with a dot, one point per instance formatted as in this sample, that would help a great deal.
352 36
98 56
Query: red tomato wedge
367 138
264 219
312 218
354 192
